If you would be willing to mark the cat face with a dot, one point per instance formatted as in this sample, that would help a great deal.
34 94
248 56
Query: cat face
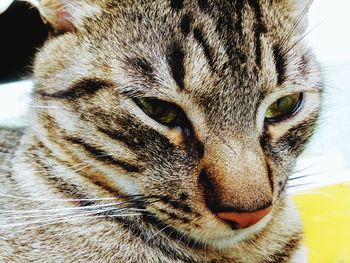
204 105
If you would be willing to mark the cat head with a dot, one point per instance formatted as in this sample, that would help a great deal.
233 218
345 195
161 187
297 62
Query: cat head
204 104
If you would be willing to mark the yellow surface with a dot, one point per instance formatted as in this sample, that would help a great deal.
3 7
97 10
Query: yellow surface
326 216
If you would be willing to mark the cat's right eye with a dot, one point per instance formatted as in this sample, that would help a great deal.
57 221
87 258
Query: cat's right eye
284 107
164 112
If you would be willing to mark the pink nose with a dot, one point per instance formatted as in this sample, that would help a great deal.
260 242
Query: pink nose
243 220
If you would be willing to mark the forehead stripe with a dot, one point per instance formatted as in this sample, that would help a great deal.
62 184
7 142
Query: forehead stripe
259 29
83 87
176 4
280 63
208 51
203 4
238 10
185 24
175 58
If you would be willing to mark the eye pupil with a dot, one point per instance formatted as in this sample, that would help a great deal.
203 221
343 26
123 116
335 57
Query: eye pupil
283 107
161 111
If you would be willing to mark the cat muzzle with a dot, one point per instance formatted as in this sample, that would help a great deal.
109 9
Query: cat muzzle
243 220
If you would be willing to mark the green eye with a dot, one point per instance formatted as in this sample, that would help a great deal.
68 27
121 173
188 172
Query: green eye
161 111
284 107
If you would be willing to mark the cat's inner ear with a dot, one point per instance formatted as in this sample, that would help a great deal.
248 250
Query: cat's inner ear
67 15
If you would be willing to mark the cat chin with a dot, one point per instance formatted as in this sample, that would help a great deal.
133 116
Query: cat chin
232 238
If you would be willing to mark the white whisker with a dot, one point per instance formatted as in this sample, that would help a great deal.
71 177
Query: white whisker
63 209
300 184
157 233
82 168
58 215
44 107
302 169
64 220
60 199
329 171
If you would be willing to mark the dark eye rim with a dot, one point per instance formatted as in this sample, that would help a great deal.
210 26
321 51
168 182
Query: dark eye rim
290 114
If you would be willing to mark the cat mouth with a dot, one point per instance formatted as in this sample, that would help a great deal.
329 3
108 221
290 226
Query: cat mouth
226 233
234 236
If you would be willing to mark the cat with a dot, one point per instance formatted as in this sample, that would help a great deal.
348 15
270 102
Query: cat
162 131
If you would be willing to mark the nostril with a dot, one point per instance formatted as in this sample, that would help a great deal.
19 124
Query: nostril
242 220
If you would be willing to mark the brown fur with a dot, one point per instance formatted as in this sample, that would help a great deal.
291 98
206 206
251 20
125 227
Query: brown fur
223 63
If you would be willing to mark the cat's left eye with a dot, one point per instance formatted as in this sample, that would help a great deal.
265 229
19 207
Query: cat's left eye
284 107
161 111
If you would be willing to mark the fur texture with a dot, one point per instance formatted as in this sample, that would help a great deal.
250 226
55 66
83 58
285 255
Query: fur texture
95 179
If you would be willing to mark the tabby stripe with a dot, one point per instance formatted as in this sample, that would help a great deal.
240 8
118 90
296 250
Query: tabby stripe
285 253
280 63
174 216
176 4
65 188
82 88
143 66
69 190
172 232
270 175
176 62
49 122
259 29
135 134
97 179
185 24
103 156
208 51
72 191
178 205
282 187
226 26
239 4
225 22
155 243
203 4
296 137
93 176
265 137
118 136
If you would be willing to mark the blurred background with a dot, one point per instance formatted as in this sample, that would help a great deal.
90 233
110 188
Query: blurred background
21 32
323 197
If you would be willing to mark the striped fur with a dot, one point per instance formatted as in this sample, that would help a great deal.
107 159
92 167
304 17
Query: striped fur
103 182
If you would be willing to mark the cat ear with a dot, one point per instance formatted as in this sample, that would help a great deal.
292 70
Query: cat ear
63 15
66 15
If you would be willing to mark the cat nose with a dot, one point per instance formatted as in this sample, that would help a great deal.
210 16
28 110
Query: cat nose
242 220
